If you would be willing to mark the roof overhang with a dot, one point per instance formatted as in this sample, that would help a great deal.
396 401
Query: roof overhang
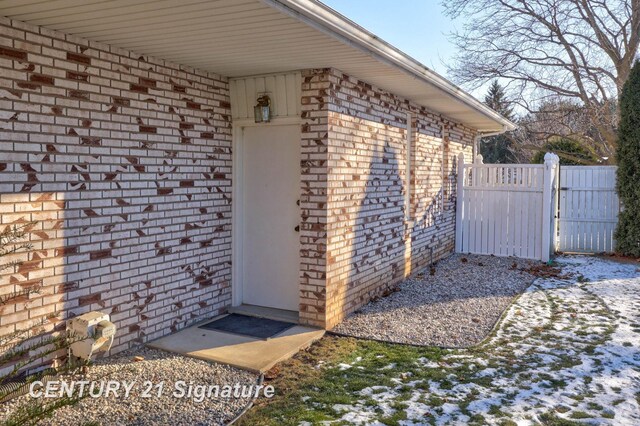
239 38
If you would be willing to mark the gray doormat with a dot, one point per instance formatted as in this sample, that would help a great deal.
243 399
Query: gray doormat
262 328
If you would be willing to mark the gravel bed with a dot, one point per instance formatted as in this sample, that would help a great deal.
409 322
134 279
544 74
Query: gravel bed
157 366
457 306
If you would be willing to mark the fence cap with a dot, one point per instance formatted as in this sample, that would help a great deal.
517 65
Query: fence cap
551 158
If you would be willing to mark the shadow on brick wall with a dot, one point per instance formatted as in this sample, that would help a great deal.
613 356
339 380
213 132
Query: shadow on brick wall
33 298
376 234
385 247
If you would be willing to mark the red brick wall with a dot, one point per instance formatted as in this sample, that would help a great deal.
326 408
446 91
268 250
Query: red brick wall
125 162
369 243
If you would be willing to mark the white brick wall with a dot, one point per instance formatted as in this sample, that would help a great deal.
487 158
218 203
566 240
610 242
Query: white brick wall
358 139
125 162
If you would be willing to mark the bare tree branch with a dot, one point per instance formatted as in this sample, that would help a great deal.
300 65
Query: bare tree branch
576 51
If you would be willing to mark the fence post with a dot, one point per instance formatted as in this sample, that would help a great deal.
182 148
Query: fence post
548 209
555 207
459 206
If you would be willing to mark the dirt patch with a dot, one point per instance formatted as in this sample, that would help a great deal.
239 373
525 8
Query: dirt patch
543 270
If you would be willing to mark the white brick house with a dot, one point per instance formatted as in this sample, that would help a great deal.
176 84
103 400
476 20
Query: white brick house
159 199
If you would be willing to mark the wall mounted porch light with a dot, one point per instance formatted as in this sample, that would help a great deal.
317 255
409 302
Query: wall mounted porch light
262 111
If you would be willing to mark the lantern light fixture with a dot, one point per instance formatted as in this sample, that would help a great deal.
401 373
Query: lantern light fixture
262 110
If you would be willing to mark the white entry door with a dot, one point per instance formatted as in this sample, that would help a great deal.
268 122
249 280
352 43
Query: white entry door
270 215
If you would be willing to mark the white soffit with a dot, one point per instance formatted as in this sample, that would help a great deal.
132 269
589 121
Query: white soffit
238 38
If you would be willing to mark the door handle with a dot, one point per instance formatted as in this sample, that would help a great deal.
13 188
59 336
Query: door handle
298 203
297 228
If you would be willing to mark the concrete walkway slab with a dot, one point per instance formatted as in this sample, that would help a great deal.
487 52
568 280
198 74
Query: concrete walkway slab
239 351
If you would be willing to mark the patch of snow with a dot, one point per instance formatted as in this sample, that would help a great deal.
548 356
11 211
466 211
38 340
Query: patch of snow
427 363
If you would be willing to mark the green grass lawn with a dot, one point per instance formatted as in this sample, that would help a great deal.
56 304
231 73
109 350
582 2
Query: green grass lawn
334 370
315 379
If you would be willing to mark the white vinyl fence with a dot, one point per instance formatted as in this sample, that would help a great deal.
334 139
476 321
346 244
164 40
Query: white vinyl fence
588 210
507 209
533 210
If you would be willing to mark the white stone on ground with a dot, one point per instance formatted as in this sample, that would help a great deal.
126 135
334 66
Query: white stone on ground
458 306
165 410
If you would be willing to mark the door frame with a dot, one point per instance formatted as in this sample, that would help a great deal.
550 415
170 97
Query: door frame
237 188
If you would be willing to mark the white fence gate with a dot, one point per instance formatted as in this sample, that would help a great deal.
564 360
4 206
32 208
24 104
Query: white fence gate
588 211
532 210
507 209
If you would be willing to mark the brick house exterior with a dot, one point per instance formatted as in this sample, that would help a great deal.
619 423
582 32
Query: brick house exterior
358 238
125 162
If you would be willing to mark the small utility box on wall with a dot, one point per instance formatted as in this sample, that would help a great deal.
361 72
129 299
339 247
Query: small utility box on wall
91 332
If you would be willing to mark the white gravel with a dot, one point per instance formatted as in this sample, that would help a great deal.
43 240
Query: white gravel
457 306
157 366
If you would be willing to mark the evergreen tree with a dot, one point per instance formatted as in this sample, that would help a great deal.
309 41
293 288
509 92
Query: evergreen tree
496 149
628 153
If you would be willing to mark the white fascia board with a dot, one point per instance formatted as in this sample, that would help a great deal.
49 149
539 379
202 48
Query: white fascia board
325 19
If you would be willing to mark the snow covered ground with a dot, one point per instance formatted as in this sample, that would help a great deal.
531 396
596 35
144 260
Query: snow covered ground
568 348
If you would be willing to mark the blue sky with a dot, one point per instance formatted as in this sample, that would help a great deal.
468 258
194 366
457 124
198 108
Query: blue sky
417 27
